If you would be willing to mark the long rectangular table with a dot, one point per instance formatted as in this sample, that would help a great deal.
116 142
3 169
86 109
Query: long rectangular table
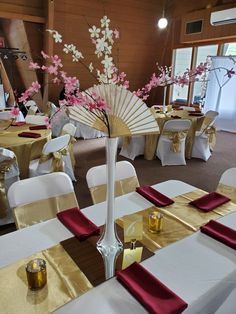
199 269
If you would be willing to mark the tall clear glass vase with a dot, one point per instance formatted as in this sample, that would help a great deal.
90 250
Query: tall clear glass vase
109 245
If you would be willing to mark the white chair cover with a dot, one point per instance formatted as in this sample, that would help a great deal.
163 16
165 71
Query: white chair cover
229 177
31 107
58 121
11 176
35 119
188 108
69 128
41 187
164 148
54 145
135 147
5 115
85 131
201 146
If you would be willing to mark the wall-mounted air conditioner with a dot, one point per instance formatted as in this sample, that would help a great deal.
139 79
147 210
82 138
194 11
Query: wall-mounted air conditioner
223 17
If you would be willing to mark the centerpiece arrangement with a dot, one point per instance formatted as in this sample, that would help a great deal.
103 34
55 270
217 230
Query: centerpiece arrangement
108 107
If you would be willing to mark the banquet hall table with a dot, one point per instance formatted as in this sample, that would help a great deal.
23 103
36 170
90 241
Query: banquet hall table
199 269
151 141
25 148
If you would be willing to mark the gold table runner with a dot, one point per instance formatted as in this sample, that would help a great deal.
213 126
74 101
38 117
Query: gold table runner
227 191
65 281
172 231
25 148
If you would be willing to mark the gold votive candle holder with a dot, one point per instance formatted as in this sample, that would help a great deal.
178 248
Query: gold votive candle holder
36 273
155 222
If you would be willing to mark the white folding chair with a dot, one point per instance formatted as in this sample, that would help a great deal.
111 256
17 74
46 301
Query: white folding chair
69 128
133 146
37 119
38 199
227 184
5 115
203 140
126 180
9 173
171 144
31 107
55 157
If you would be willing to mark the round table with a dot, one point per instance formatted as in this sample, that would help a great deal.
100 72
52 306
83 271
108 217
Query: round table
25 148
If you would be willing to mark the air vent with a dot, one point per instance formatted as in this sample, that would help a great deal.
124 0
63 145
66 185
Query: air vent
193 27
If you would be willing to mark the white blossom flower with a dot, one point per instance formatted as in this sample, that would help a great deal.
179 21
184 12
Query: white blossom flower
91 68
94 31
108 34
107 62
57 37
105 21
101 44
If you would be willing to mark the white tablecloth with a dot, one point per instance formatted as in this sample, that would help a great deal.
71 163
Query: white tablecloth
198 268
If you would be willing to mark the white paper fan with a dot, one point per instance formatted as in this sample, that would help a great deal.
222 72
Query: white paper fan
128 114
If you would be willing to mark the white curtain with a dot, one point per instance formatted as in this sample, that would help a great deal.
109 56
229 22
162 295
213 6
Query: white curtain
221 93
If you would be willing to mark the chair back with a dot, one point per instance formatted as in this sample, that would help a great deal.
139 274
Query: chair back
35 119
56 144
31 107
227 184
39 198
9 173
5 115
126 180
176 125
69 128
209 119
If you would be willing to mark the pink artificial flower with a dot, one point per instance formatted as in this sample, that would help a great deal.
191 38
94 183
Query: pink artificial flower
116 33
126 84
15 112
56 61
45 56
34 66
230 73
52 70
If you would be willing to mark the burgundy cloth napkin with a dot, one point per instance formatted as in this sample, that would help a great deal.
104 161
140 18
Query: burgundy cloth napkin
18 123
220 232
149 291
197 114
175 117
29 134
38 127
78 223
210 201
154 196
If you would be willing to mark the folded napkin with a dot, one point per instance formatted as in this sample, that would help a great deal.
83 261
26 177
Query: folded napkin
175 117
210 201
29 134
38 127
197 114
77 223
154 196
220 232
178 108
149 291
20 123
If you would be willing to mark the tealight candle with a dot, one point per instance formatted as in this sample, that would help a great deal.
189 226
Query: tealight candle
155 222
36 273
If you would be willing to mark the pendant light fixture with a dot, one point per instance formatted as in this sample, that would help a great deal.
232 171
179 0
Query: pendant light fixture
162 22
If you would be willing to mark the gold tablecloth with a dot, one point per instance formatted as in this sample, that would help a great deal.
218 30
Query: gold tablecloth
26 149
151 141
65 281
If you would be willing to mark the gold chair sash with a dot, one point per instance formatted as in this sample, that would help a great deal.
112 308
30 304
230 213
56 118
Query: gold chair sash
57 162
98 193
5 166
175 137
227 190
65 281
211 133
42 210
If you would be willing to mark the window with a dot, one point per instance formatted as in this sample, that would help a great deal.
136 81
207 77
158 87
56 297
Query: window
182 61
229 49
201 55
